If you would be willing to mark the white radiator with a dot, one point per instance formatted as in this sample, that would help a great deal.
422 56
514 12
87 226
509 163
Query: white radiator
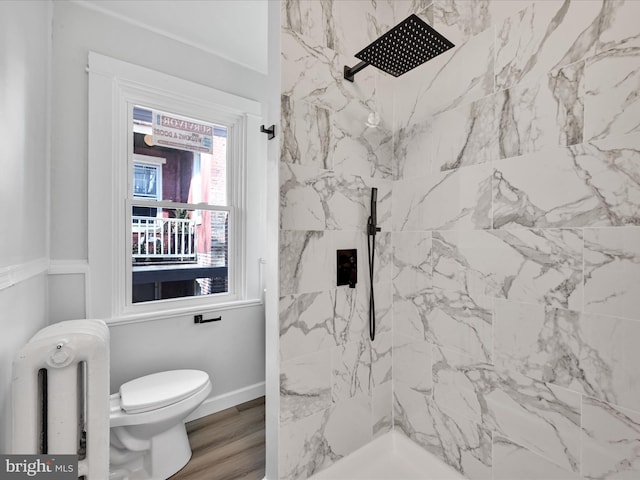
61 395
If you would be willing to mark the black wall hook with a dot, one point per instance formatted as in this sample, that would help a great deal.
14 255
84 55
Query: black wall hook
271 131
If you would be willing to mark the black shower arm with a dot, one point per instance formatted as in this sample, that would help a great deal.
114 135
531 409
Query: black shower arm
349 72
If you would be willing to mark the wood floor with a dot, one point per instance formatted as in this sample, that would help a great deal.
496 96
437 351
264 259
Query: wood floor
228 445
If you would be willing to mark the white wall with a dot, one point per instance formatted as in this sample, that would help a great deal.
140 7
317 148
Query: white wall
232 352
24 164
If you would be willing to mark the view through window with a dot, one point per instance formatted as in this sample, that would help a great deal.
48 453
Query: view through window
180 213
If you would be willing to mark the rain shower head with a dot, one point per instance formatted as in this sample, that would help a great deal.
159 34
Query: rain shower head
406 46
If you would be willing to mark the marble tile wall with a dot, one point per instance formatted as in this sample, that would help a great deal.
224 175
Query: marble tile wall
335 385
508 266
516 240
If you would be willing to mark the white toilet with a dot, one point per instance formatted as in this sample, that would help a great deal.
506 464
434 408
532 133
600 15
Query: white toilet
148 437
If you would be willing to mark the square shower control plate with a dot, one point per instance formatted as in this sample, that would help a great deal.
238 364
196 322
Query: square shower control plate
347 267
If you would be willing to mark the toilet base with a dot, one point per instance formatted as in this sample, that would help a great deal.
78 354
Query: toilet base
169 452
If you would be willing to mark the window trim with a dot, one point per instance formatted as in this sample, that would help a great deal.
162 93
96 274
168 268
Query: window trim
114 88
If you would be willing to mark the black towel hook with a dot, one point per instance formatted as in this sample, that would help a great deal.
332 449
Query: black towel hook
271 131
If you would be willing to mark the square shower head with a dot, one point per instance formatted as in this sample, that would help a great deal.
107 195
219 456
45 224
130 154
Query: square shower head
406 46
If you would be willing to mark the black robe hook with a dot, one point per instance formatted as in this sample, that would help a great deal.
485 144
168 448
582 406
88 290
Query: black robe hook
271 131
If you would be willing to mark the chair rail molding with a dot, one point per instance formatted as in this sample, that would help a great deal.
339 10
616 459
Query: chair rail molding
14 274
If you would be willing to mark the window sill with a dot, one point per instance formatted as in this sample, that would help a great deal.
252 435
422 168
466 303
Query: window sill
182 312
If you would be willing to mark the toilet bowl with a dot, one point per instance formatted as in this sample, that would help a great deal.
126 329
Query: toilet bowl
148 436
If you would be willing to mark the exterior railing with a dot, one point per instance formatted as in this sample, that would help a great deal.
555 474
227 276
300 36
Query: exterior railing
163 239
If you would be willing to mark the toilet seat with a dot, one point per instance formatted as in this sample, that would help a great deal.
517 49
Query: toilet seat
158 390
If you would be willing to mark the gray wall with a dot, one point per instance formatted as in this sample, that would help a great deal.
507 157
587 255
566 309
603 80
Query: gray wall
24 160
233 353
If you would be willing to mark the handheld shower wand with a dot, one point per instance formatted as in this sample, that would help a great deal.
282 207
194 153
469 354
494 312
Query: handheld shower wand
372 229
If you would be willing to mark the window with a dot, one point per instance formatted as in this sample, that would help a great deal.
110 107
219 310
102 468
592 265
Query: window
147 181
172 218
181 251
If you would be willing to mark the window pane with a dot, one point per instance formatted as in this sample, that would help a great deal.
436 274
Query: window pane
179 253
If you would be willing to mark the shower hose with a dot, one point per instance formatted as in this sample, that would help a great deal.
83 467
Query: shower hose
371 249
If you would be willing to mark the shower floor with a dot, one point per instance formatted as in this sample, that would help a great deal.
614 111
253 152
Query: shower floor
391 456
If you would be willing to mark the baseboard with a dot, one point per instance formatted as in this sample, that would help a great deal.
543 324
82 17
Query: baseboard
228 400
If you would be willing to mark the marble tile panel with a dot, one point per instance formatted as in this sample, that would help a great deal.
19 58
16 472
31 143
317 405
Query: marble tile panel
612 271
539 266
410 316
330 23
349 204
461 443
305 386
455 200
460 20
384 307
350 38
412 363
459 383
382 407
349 425
314 199
359 146
411 415
542 37
412 272
422 8
587 353
306 194
409 208
303 448
467 135
611 169
543 113
383 260
315 74
456 77
306 324
314 443
456 321
541 417
546 189
612 103
514 462
611 441
446 319
381 358
464 445
413 150
308 19
306 262
460 200
617 26
351 370
350 313
307 136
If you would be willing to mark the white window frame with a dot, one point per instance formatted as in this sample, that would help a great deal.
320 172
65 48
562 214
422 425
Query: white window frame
114 88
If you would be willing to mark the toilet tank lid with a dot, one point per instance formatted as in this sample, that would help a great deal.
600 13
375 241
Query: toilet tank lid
160 389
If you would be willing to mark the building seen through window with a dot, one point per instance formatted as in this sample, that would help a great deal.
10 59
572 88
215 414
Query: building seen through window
180 213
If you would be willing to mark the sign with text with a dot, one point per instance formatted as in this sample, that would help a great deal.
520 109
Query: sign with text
181 133
45 467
